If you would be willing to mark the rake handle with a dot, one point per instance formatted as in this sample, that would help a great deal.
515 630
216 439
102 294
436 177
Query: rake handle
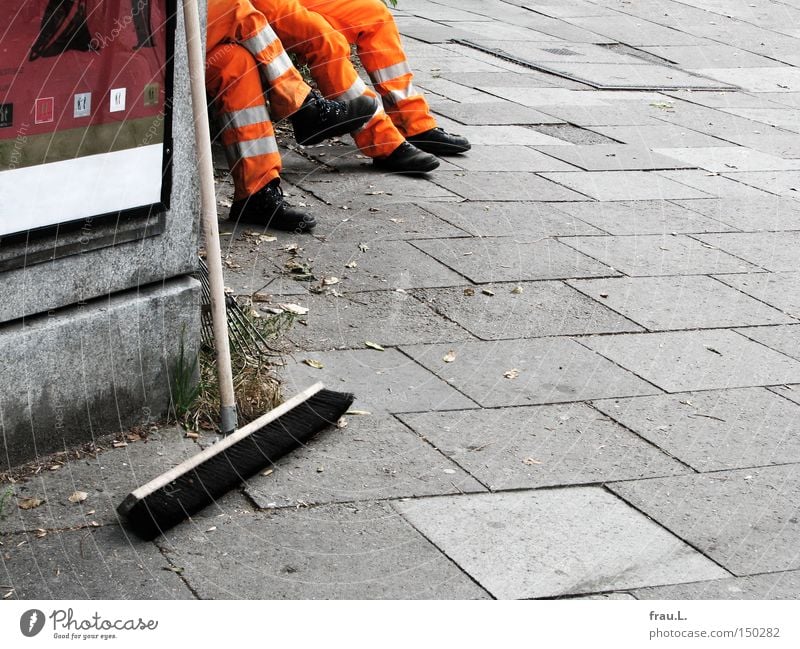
208 203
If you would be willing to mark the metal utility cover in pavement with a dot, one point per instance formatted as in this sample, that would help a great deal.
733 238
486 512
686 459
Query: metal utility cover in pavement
611 76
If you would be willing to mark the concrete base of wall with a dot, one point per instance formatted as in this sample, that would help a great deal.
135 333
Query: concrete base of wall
93 369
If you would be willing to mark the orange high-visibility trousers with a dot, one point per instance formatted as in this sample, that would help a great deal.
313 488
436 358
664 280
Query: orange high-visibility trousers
244 57
321 31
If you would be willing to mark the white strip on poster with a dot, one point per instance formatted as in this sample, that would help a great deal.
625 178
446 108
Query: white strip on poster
73 189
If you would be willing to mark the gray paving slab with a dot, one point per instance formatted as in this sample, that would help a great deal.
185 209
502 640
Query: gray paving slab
501 135
498 218
725 100
781 338
560 29
729 159
535 97
379 266
503 30
102 563
667 303
346 189
715 430
507 260
574 134
623 114
613 157
363 551
697 360
383 382
528 372
784 118
388 318
767 79
775 251
711 55
651 255
505 186
623 185
660 136
640 75
713 185
373 458
541 446
428 31
493 112
485 82
555 542
771 586
455 91
781 290
383 222
745 520
106 479
782 183
784 98
634 31
737 130
524 310
764 212
643 217
509 158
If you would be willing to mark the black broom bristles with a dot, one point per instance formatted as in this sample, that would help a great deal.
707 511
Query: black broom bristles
199 481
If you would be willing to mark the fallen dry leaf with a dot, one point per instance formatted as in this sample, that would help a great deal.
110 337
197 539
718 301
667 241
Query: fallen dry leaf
469 292
268 472
330 281
119 444
293 308
260 297
29 503
363 247
312 363
78 497
352 264
516 290
450 356
373 345
486 291
358 412
529 461
190 434
511 374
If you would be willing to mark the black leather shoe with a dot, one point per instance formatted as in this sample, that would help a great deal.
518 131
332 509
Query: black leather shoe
407 159
268 208
319 119
440 142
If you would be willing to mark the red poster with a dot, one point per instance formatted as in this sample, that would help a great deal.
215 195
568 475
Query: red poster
83 108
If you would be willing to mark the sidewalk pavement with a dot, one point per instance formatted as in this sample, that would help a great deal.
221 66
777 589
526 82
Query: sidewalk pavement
590 375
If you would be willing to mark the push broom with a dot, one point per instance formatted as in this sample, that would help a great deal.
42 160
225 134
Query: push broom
200 480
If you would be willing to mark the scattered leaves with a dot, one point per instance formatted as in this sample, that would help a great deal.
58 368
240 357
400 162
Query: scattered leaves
30 503
450 356
373 345
313 363
78 497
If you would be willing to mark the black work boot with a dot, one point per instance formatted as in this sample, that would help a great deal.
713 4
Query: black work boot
319 119
268 208
407 159
440 142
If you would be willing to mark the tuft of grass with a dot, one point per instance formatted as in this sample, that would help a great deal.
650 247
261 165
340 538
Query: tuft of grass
255 382
184 376
5 497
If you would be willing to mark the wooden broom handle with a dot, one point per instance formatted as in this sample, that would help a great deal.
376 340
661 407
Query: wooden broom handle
208 203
